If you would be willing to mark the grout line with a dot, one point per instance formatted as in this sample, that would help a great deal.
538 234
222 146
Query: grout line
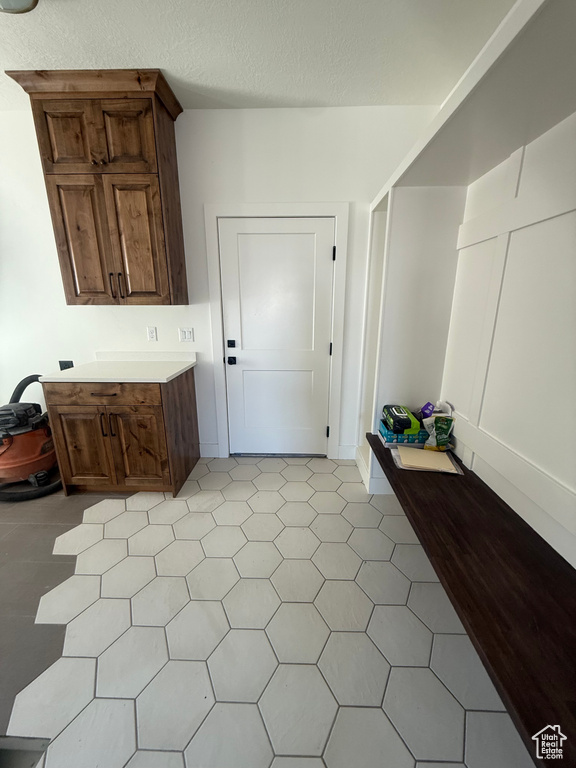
387 716
260 629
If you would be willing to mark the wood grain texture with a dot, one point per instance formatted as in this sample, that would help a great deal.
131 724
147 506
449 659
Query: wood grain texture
181 421
69 134
128 126
82 446
119 236
138 445
171 207
79 219
134 217
117 488
97 81
102 393
95 135
125 436
515 595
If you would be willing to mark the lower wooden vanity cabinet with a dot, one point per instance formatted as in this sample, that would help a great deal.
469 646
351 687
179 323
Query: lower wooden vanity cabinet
124 436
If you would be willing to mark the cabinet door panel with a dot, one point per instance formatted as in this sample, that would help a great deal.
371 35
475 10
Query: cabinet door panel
70 134
137 237
139 444
79 216
129 129
82 440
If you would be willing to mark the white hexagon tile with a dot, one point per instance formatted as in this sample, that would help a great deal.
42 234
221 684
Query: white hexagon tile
273 615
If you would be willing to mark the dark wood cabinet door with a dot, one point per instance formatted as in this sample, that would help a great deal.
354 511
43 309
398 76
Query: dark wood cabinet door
96 135
139 445
129 130
82 438
82 238
70 135
135 224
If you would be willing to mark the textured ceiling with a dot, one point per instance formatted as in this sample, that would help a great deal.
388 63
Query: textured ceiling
260 53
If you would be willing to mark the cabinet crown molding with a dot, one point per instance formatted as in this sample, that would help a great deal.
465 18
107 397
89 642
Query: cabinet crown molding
95 82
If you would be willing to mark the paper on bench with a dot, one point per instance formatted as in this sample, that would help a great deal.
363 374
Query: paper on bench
432 460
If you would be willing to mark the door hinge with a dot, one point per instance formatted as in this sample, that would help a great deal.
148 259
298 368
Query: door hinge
327 431
330 347
334 253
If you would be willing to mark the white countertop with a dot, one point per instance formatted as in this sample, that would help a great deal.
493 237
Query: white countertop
145 371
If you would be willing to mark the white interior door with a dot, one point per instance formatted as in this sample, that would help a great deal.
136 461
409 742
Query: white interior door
277 279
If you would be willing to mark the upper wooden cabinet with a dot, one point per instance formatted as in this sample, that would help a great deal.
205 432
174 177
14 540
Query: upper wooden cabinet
96 136
108 151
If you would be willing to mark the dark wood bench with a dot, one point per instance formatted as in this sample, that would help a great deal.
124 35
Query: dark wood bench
515 595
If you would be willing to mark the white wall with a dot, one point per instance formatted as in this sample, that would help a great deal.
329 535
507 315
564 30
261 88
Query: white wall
371 333
511 356
235 156
419 272
417 268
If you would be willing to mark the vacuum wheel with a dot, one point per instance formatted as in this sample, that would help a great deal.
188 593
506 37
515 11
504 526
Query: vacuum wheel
39 479
40 484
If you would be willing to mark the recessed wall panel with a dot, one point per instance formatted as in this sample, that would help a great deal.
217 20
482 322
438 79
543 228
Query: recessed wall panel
531 385
278 399
466 323
549 166
277 277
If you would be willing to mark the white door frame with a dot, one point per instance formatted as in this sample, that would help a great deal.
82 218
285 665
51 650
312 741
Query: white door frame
340 213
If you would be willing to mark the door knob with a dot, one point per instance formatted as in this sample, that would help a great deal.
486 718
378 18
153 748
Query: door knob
231 361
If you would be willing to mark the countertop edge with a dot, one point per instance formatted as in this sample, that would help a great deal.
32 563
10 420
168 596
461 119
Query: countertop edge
79 378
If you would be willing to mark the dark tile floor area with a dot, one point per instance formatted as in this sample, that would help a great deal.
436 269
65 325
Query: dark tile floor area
27 571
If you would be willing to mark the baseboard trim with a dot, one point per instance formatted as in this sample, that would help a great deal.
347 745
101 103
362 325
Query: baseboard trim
347 452
209 450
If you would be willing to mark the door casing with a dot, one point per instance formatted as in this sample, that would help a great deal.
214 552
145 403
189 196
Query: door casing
338 211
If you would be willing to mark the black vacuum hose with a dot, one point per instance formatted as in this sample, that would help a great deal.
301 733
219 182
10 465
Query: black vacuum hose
31 492
19 391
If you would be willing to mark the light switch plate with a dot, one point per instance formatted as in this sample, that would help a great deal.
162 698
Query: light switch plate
186 334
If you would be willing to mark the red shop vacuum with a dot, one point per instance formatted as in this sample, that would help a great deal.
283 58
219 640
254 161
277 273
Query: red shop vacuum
28 462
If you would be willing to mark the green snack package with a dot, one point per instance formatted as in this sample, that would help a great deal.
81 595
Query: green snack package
439 426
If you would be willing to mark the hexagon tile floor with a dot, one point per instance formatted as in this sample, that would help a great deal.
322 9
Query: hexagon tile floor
273 615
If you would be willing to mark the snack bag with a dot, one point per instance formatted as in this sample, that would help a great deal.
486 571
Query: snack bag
439 426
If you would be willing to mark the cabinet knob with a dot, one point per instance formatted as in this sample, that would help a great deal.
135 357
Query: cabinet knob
102 162
94 162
